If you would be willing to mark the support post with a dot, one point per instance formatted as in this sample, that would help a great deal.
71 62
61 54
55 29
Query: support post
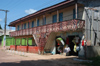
27 42
43 19
57 16
76 10
36 22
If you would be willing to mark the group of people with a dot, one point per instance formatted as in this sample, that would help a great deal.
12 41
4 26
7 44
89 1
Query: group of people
65 47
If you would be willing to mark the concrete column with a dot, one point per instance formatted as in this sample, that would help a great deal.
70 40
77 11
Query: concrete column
57 16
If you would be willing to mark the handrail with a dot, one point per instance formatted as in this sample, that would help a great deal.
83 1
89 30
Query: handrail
64 25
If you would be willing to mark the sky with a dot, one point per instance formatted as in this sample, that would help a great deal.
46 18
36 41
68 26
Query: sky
21 8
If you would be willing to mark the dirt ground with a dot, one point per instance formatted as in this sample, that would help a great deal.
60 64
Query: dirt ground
14 58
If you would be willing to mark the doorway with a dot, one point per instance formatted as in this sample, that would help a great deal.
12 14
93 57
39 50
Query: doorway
60 43
71 45
57 45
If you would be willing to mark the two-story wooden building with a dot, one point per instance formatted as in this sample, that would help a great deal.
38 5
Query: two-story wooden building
65 19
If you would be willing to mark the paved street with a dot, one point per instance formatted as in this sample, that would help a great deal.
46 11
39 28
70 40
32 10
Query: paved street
12 58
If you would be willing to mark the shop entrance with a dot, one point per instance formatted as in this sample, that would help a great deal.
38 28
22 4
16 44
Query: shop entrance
59 45
72 41
72 44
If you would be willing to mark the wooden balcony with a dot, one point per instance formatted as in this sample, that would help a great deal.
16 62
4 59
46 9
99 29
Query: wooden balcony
59 26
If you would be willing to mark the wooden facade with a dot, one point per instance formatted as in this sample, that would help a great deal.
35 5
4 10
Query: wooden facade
40 33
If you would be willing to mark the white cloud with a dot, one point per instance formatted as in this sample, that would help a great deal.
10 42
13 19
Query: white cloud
30 11
0 19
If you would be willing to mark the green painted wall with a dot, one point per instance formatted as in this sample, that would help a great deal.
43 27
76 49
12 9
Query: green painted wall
1 37
11 41
29 41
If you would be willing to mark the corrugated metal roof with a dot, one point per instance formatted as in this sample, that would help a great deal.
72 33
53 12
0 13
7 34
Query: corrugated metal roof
7 32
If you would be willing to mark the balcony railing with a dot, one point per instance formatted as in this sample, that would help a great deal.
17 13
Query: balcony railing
59 26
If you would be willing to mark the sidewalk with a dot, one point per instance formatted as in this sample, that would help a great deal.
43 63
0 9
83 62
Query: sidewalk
31 55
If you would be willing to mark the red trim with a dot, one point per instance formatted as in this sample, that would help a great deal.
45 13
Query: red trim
33 49
22 48
13 47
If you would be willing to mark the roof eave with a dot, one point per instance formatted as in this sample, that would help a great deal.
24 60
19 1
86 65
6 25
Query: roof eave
40 11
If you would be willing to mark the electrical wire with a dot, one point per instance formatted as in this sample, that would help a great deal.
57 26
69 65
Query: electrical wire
6 4
46 3
13 4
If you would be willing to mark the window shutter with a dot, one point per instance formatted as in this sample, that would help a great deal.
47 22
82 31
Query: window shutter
45 21
18 27
60 17
28 25
54 18
32 23
74 14
25 26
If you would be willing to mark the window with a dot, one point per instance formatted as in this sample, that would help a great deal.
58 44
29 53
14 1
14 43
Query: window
60 17
38 22
54 18
25 26
28 25
32 23
74 13
18 27
74 16
44 21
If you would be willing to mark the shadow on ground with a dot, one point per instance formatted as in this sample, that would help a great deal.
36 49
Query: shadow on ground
51 62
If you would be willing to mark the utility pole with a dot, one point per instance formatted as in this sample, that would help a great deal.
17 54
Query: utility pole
4 43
